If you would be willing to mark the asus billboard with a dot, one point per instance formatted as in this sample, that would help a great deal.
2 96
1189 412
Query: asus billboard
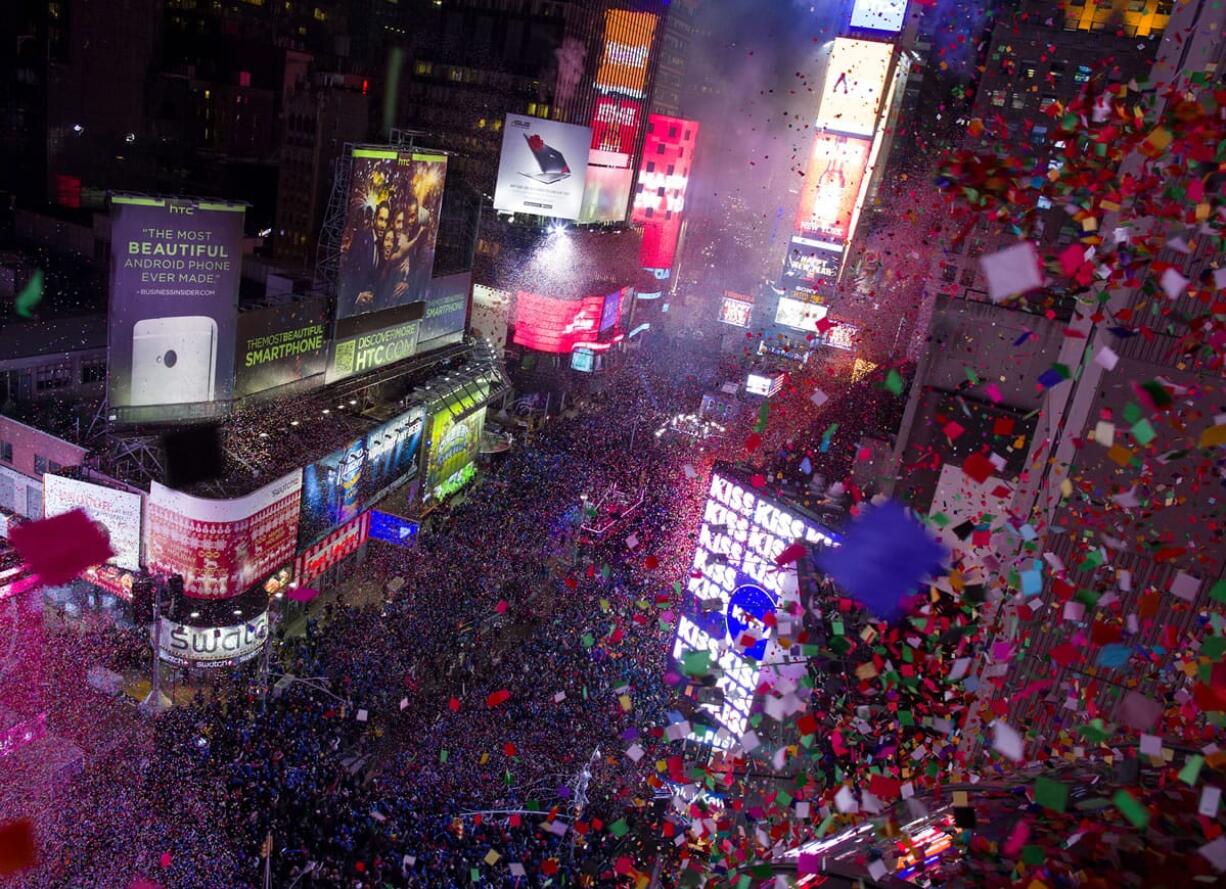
543 167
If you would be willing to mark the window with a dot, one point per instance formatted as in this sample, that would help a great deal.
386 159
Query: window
1082 75
93 372
1044 203
967 278
1019 101
1046 102
6 451
998 98
949 273
40 464
1038 135
1029 70
52 376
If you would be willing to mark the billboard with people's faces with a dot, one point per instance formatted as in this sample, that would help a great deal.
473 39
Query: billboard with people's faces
391 228
175 269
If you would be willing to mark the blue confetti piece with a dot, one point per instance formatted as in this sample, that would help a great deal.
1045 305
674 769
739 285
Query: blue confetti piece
1114 655
885 555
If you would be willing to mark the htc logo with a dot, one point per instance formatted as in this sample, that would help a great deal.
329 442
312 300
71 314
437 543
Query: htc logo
181 211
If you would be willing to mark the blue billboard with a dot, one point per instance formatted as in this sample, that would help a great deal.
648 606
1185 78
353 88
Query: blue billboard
348 481
392 528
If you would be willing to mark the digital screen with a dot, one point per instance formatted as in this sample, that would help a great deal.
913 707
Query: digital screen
392 528
211 647
175 270
668 156
556 325
854 85
841 336
879 15
627 46
391 228
615 129
346 482
735 311
542 169
119 512
812 264
583 360
799 315
367 342
222 548
491 314
766 385
279 345
338 545
606 194
446 311
611 315
733 586
832 184
454 445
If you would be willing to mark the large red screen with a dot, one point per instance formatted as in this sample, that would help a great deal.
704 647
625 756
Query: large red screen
556 325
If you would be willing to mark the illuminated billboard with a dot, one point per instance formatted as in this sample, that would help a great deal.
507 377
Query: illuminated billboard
223 547
879 15
212 647
627 47
446 311
854 86
491 314
810 262
118 511
736 309
615 128
367 342
279 345
556 325
542 169
767 385
391 228
347 481
606 194
799 315
175 269
454 445
735 590
664 174
832 184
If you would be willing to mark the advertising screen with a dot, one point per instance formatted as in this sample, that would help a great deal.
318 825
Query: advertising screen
491 314
664 174
391 228
453 446
627 46
799 315
606 194
392 528
542 168
346 482
832 183
733 589
841 336
736 309
809 263
615 128
211 647
342 542
223 547
610 316
556 325
879 15
855 83
583 360
446 311
115 510
766 385
175 269
280 345
368 342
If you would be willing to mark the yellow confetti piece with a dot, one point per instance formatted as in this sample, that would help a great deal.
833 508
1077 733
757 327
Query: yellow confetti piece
491 857
485 757
625 702
1213 436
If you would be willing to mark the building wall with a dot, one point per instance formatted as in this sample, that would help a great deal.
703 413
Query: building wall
33 451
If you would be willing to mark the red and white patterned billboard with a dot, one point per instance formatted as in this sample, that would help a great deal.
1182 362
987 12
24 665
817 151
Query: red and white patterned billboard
223 547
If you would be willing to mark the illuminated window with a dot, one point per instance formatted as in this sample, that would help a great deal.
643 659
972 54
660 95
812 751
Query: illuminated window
320 15
93 372
998 98
1019 101
1082 75
52 376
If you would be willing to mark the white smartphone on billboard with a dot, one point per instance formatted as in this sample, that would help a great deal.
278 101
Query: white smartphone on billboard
174 360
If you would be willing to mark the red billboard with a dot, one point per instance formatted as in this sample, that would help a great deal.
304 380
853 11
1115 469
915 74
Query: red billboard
832 183
223 547
557 325
664 175
615 125
342 542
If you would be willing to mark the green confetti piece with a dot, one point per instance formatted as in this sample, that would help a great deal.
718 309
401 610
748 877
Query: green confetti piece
1132 412
827 823
1033 855
442 756
696 663
1213 647
972 376
1143 432
1218 593
894 382
31 295
1051 794
1136 813
1191 769
475 873
619 828
588 640
905 718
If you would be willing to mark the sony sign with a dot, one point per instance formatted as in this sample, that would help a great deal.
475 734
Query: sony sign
212 646
734 586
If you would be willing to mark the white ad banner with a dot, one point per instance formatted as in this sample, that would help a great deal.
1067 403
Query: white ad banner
115 510
543 167
212 646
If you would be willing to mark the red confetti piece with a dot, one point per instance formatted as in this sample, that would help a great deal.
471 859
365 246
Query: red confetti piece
61 547
651 563
499 697
17 852
454 705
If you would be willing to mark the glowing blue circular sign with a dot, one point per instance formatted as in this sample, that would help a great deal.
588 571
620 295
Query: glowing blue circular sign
748 606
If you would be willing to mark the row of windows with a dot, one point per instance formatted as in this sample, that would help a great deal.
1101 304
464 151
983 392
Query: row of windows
41 463
50 377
